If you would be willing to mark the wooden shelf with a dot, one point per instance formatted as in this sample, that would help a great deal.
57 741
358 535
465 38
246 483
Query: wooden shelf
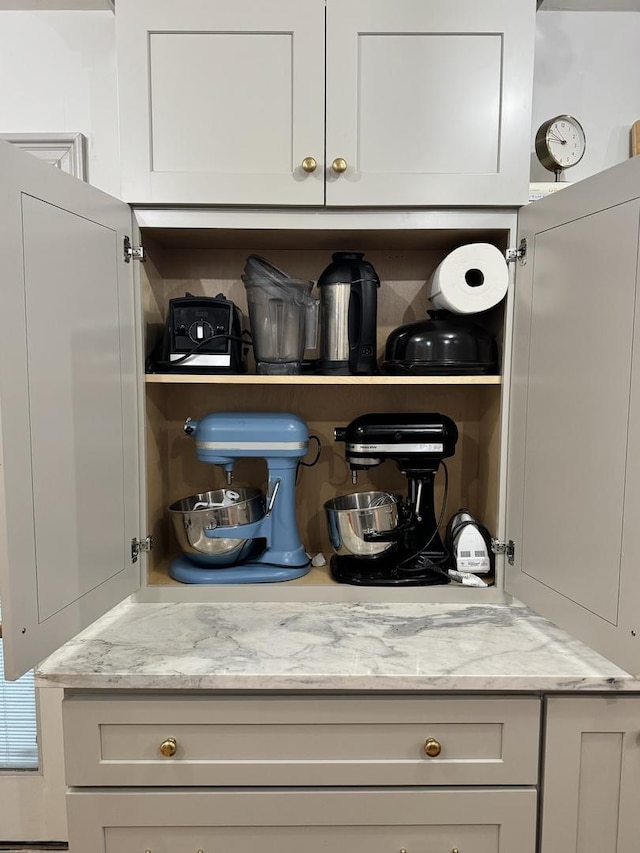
255 379
317 585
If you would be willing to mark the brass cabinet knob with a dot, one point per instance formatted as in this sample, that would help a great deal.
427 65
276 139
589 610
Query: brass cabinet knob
339 165
168 747
309 165
432 747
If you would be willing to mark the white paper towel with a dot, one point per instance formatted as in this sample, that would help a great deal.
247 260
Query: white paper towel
470 279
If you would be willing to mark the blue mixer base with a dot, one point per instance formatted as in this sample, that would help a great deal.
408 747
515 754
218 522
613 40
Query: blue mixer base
183 570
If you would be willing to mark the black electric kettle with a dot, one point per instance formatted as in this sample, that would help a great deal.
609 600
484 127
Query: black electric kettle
348 315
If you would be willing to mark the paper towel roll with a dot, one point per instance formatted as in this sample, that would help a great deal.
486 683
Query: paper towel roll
470 279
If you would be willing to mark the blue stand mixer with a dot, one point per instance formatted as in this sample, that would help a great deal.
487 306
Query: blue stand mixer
222 438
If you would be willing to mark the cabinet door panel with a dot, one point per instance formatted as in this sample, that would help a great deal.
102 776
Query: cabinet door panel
592 775
75 402
220 103
69 493
573 489
434 137
429 103
187 135
579 377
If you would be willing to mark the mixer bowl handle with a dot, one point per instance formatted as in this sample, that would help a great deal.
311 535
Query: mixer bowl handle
382 536
405 523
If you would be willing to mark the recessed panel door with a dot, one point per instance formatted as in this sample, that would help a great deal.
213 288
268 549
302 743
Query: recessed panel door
573 486
221 103
69 499
591 774
428 103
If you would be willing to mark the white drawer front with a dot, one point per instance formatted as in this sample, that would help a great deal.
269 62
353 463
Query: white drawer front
313 821
301 741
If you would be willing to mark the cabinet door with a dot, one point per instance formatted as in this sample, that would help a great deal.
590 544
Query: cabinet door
574 438
69 503
591 775
429 103
221 102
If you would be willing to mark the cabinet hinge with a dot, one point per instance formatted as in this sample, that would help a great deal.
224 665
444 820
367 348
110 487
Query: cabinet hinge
135 252
138 545
519 254
508 548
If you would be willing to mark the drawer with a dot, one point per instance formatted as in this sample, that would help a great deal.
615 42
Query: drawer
313 821
300 740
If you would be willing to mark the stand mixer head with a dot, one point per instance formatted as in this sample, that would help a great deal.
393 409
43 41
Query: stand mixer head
417 443
282 439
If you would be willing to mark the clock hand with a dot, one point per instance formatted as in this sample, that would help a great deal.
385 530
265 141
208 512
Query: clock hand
555 136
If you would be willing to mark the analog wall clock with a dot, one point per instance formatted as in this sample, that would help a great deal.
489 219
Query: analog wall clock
560 143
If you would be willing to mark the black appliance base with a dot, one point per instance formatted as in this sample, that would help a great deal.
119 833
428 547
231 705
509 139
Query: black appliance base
341 368
416 368
333 368
385 572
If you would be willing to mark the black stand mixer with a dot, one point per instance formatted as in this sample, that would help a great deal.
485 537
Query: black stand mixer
411 552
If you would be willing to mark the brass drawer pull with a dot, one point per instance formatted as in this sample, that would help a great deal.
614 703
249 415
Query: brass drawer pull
339 165
169 746
432 747
309 165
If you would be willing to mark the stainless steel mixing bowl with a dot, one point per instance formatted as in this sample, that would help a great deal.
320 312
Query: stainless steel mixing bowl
351 516
193 515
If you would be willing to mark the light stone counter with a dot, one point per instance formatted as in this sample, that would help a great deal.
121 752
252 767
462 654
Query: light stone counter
329 646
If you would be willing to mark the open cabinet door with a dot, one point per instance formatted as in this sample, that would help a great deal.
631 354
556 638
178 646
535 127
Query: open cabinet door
69 476
573 493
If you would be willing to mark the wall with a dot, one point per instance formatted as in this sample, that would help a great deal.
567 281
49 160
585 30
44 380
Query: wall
588 65
58 74
62 68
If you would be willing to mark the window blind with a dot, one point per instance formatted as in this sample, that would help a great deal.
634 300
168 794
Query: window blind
18 724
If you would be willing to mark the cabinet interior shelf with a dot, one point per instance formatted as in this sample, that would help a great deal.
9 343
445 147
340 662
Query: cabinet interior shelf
255 379
319 576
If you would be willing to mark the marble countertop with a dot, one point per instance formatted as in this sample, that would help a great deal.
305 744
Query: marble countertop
328 646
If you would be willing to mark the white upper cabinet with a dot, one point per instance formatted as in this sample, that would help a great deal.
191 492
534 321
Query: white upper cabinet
427 103
220 103
69 470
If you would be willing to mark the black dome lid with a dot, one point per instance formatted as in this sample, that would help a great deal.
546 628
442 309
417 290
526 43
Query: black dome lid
443 344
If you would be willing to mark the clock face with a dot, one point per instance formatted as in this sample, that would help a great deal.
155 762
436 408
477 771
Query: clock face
560 143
